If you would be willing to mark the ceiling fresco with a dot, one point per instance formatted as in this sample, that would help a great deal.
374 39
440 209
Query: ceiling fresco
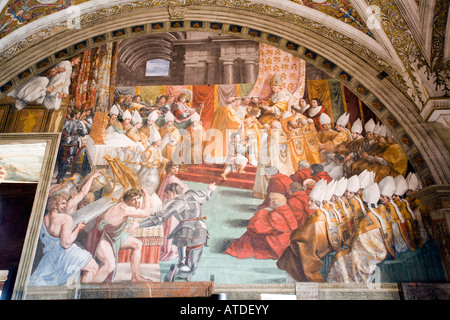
339 9
17 13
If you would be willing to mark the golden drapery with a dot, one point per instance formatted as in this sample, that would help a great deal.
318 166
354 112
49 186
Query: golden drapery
103 78
320 89
113 73
148 93
82 80
276 61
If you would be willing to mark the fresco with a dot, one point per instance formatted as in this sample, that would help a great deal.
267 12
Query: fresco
21 162
286 179
339 9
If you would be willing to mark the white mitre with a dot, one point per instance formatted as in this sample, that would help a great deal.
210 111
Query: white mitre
319 190
114 110
341 186
353 184
364 179
357 126
126 115
401 185
369 126
387 186
331 187
371 194
382 131
153 116
343 119
324 119
169 117
136 117
413 181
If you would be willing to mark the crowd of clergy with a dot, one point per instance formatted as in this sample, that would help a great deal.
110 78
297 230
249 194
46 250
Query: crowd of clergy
325 188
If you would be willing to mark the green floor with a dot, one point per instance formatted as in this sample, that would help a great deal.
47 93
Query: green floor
227 215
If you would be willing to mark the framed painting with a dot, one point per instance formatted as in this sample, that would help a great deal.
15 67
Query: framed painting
45 146
31 119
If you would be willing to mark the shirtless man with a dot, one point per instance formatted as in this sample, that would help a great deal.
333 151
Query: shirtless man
72 203
60 250
108 235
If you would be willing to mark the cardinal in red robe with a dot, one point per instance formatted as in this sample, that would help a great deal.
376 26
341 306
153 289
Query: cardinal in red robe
298 202
278 183
314 112
318 173
303 172
268 232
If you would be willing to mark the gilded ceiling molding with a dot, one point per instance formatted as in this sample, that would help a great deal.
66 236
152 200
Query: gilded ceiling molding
438 67
415 62
396 28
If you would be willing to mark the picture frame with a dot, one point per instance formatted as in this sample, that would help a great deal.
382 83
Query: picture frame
31 119
32 235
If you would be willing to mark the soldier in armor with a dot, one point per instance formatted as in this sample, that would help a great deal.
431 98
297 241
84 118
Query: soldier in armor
191 234
71 142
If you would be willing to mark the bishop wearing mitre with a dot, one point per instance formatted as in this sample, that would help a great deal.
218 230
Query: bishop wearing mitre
278 102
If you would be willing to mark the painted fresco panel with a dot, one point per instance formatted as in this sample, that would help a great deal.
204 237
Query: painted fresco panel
227 185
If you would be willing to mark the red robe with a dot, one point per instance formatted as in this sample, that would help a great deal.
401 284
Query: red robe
267 235
298 202
316 118
279 184
301 175
322 175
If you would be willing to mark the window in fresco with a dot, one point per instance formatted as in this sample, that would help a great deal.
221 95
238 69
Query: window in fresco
157 68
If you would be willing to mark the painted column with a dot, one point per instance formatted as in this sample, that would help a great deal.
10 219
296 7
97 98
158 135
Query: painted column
227 70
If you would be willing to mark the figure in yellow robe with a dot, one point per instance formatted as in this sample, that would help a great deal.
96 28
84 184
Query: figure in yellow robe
310 243
335 140
295 117
346 218
368 158
134 134
372 244
311 138
392 162
197 134
252 134
227 121
313 240
171 137
424 229
296 144
278 102
410 224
